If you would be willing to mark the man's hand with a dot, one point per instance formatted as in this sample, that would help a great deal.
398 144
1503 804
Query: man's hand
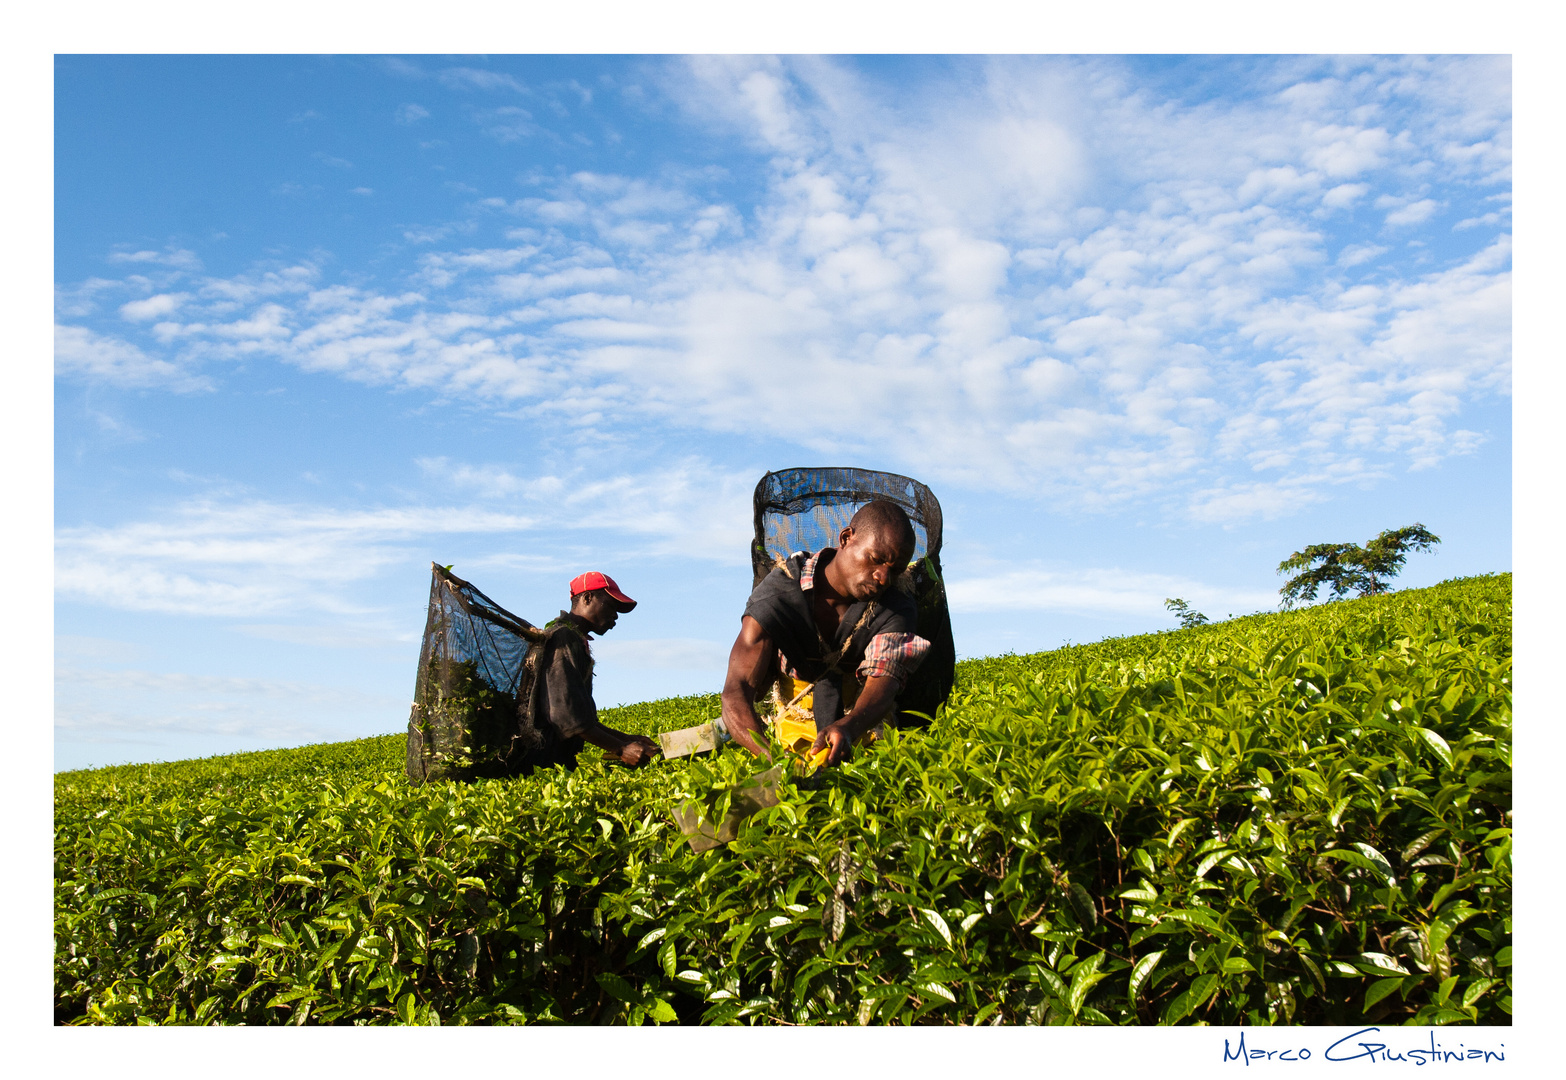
837 740
637 751
747 732
875 703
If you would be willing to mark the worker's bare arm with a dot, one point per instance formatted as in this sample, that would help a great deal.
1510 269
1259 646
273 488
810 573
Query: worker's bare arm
751 663
875 704
631 751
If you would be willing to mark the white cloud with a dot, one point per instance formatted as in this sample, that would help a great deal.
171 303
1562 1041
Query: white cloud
81 354
1281 184
404 69
252 558
99 706
486 481
1244 502
411 113
466 78
509 123
1355 254
689 507
246 558
1100 591
1345 195
551 561
178 258
1346 151
1047 281
73 649
427 235
665 654
1494 217
1450 336
332 636
237 726
1413 213
80 301
152 306
123 682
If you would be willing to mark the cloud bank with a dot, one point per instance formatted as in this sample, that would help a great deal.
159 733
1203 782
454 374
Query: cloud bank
1054 279
236 556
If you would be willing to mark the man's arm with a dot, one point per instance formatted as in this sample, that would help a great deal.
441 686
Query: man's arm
891 657
874 705
751 662
573 712
629 750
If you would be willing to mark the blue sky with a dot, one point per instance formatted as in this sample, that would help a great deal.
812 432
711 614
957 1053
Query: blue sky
1145 325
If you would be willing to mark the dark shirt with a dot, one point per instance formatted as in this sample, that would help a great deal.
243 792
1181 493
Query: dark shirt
564 706
568 677
782 604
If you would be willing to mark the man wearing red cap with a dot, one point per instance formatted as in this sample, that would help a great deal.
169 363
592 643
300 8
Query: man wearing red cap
567 699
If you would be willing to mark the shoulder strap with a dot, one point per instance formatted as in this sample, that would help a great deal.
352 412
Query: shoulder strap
833 658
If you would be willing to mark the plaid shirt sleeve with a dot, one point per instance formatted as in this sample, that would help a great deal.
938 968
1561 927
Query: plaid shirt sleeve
893 656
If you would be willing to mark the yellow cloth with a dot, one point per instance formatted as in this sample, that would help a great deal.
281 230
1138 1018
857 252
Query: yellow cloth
795 724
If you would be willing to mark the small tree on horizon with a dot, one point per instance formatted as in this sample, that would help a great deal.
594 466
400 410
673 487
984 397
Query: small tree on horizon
1188 616
1349 568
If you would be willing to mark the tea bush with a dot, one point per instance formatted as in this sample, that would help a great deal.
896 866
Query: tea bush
1290 818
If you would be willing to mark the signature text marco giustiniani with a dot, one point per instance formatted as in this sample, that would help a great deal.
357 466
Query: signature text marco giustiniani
1365 1045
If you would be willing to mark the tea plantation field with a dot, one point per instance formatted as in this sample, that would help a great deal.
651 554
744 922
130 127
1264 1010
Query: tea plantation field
1290 818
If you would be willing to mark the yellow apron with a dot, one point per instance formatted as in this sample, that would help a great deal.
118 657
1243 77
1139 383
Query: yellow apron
794 722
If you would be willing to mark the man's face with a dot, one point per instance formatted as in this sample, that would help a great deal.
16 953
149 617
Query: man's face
599 611
868 562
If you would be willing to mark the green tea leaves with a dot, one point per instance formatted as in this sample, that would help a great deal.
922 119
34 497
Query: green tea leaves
1436 743
1229 825
934 918
1378 862
1139 973
1082 905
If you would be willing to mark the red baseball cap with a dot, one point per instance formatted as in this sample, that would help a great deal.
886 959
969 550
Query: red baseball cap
594 580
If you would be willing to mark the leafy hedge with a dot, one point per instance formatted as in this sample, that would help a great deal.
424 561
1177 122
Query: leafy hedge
1292 818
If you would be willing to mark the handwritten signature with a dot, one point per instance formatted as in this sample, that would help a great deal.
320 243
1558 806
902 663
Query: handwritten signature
1348 1049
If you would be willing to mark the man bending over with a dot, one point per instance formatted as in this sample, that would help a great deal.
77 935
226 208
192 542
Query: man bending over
835 619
